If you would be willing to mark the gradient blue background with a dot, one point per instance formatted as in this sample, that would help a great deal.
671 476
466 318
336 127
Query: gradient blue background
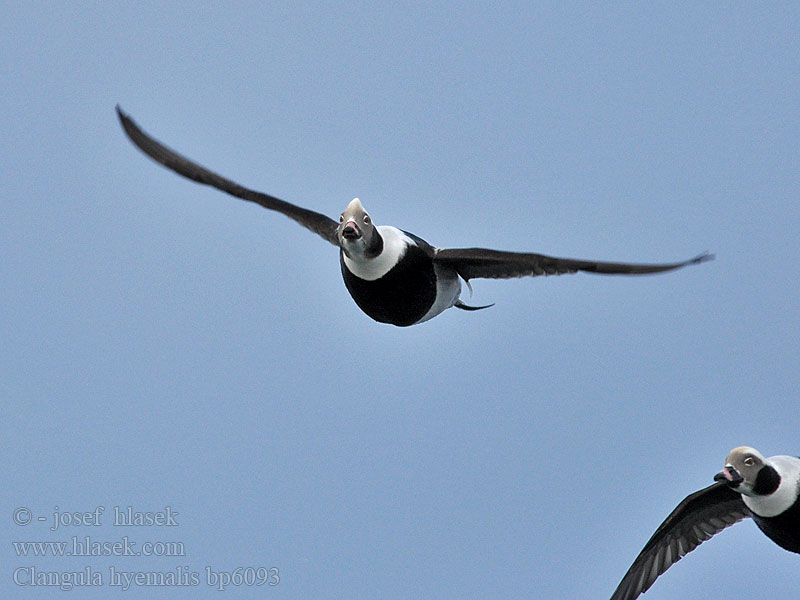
166 345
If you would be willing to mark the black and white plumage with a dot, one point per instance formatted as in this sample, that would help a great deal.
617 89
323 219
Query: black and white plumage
765 489
394 276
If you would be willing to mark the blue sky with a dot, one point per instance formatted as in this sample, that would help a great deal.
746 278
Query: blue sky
168 346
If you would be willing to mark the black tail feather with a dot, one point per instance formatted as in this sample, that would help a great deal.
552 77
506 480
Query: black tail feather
462 306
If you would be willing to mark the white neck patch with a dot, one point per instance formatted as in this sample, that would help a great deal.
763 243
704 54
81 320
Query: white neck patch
395 243
788 467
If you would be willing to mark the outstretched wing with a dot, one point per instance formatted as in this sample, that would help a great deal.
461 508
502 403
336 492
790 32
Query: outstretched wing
470 263
696 519
316 222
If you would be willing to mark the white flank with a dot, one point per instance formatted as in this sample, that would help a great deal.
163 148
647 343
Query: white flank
448 289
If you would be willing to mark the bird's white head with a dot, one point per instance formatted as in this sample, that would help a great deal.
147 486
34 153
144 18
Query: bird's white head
742 468
358 236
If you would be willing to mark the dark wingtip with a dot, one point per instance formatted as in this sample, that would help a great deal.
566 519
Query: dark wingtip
127 123
701 258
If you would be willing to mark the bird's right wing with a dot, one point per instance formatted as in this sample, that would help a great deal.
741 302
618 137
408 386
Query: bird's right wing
696 519
316 222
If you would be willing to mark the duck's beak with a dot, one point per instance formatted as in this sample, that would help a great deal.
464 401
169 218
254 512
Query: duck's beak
350 231
729 475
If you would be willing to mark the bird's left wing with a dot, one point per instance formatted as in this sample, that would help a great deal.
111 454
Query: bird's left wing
316 222
470 263
696 519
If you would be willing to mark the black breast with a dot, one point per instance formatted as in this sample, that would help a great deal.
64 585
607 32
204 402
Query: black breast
402 296
784 529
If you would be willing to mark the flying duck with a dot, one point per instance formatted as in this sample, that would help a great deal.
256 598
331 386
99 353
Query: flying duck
749 485
394 276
